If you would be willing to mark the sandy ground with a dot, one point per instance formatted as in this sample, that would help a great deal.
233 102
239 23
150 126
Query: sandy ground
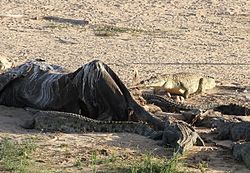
203 36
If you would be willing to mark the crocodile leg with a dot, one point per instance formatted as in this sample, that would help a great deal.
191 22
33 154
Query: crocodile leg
186 93
199 90
200 87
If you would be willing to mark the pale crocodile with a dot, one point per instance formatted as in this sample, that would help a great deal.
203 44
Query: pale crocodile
185 84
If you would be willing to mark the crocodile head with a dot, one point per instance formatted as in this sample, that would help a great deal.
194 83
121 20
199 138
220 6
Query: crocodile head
209 82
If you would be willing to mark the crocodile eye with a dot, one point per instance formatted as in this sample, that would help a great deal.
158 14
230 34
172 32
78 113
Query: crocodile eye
211 77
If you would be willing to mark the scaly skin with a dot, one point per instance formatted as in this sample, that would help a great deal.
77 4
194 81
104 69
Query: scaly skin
182 135
169 104
234 131
242 152
233 109
68 122
180 83
178 134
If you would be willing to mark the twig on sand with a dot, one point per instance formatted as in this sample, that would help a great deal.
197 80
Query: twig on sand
51 18
65 20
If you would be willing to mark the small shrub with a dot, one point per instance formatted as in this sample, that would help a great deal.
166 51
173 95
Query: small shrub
150 164
16 157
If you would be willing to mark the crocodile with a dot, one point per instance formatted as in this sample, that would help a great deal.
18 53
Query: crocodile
51 121
168 104
240 133
233 109
234 131
176 134
184 84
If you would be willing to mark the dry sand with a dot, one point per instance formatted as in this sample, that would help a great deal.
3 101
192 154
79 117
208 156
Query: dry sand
211 37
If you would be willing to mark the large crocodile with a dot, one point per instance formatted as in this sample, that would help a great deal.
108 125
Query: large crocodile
51 121
180 83
240 132
234 131
168 104
176 134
